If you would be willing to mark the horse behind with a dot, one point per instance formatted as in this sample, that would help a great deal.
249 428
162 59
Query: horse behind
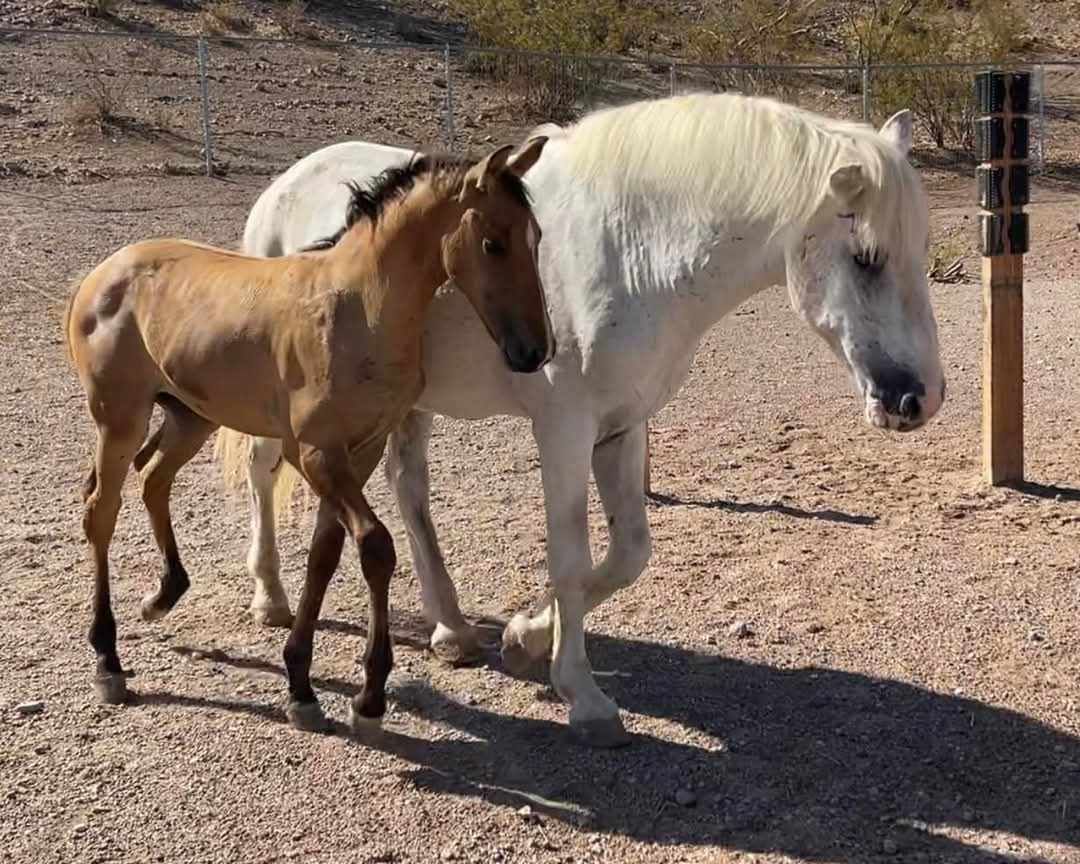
321 350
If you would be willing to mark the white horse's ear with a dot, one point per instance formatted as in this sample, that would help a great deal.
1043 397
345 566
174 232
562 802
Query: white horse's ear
526 157
899 130
847 185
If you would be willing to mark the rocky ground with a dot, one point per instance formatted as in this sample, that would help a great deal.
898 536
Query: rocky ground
845 649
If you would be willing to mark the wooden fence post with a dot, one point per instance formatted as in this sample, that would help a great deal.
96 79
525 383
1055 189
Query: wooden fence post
1002 138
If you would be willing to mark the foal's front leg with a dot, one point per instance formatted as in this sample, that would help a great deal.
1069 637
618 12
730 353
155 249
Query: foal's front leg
327 542
339 481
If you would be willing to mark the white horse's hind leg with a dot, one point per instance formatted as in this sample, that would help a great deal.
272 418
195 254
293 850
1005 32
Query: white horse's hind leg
564 460
619 469
270 603
406 468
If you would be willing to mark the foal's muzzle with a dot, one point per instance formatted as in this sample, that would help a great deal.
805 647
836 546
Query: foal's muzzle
525 357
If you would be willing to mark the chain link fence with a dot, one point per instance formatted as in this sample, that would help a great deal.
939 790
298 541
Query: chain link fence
134 103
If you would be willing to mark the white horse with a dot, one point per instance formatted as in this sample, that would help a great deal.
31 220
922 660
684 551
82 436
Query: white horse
666 216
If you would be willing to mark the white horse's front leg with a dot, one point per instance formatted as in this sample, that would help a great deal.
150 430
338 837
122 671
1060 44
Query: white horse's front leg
619 469
406 467
618 466
564 461
270 603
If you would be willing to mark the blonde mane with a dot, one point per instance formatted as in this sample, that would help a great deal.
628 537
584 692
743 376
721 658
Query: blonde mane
768 160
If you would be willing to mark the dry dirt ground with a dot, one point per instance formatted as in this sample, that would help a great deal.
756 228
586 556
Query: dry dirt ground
909 689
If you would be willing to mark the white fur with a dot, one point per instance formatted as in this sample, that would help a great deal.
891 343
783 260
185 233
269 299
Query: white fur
658 219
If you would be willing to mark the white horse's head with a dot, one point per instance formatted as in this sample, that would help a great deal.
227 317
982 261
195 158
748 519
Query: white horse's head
857 275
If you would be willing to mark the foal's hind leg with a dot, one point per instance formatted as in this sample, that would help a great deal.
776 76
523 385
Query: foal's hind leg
181 436
118 442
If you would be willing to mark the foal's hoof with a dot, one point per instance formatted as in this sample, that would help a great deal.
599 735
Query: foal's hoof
307 717
149 609
111 689
362 724
456 648
602 733
272 616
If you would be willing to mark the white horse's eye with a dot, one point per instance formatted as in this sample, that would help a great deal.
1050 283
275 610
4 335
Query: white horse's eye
868 260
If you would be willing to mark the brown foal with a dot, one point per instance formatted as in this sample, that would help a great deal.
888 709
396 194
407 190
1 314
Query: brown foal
320 349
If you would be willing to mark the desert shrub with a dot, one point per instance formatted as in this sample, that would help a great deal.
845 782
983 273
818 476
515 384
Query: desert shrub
101 99
551 88
558 26
100 8
291 19
920 31
224 16
753 32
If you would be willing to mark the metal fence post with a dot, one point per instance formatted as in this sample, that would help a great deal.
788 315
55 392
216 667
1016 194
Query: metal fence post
672 75
449 100
208 139
866 93
1040 147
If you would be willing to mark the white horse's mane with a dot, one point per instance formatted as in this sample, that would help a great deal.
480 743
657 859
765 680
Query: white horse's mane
771 160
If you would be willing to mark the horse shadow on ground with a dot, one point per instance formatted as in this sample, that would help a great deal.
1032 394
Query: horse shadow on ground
816 763
827 515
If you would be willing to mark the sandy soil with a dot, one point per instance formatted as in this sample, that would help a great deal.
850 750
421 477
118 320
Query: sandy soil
909 690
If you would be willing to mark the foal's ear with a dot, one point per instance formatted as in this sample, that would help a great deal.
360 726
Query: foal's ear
899 129
489 166
526 157
847 185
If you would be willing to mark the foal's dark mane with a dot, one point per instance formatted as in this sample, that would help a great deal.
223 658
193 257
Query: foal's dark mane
368 202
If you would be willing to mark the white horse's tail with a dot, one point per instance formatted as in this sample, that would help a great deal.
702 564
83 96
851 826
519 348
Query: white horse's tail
232 450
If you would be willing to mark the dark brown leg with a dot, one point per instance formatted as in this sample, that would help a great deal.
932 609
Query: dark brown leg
326 544
377 559
115 450
181 436
339 481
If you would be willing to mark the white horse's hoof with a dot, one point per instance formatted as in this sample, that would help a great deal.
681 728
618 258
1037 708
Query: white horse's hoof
516 657
111 689
602 732
361 724
272 616
456 648
307 717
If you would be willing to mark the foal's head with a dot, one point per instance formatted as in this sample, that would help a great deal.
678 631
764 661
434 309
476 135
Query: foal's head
491 256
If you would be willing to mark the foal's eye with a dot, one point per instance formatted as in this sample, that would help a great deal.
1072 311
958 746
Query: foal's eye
493 247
